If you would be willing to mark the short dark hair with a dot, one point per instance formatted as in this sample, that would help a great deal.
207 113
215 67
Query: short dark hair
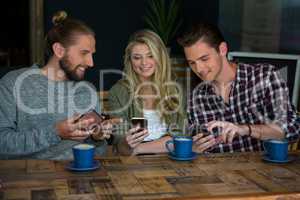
208 33
64 31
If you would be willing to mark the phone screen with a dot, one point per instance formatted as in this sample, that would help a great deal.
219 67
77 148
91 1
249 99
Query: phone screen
195 129
139 121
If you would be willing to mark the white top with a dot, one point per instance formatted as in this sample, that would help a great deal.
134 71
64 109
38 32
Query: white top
156 128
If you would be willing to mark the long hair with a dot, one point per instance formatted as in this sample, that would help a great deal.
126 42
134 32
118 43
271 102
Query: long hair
169 99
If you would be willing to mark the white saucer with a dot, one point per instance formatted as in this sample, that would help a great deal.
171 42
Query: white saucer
289 159
70 166
191 157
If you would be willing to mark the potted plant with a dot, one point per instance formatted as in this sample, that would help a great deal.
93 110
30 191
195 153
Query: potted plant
163 18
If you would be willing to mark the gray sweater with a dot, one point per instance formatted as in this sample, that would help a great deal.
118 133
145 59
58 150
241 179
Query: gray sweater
31 105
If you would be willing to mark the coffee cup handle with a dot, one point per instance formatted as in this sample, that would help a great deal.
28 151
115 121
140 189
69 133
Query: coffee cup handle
264 146
168 146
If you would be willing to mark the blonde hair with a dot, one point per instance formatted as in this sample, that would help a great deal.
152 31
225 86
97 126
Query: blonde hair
169 93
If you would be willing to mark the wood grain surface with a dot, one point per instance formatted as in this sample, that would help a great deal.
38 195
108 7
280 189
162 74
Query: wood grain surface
213 176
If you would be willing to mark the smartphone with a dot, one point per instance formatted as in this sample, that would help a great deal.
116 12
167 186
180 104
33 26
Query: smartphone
142 122
195 129
93 114
200 129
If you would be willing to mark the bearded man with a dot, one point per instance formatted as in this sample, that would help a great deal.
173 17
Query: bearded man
40 107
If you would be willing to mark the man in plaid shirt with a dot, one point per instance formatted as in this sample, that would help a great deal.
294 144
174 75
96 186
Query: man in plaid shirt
245 103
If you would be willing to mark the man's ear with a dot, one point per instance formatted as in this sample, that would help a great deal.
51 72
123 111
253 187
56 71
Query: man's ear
58 50
223 49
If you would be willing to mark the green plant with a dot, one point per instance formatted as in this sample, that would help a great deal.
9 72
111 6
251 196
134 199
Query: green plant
162 17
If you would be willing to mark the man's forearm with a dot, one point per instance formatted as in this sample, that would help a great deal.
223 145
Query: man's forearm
264 131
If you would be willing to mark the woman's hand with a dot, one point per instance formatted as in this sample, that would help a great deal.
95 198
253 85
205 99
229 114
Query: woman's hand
135 136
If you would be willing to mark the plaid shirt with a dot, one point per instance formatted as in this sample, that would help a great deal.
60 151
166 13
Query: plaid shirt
257 96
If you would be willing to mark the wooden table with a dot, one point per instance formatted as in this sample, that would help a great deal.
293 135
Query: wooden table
218 176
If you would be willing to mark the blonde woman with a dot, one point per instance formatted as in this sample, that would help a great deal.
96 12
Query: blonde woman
147 90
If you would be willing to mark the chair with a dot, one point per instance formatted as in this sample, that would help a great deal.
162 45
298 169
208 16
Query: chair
5 69
5 55
296 145
103 96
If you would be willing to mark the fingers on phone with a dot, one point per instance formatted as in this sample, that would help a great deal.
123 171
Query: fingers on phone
79 134
132 131
140 133
204 143
201 135
86 123
197 137
203 140
207 145
139 136
75 118
219 139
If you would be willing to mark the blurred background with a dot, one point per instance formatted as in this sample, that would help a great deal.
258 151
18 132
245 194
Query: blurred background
248 25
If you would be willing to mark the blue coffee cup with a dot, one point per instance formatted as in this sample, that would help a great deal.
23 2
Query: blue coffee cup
83 155
276 149
182 146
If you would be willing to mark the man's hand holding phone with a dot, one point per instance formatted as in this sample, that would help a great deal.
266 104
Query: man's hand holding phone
73 129
204 139
79 127
102 127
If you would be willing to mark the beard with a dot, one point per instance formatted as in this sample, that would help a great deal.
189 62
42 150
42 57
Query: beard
69 70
